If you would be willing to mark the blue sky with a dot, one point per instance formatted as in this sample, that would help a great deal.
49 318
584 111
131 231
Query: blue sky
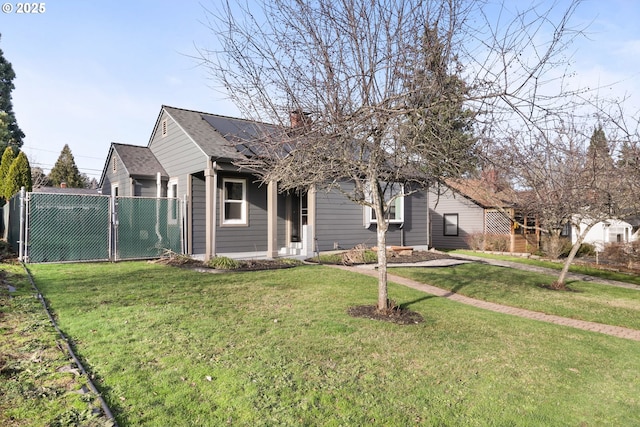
94 72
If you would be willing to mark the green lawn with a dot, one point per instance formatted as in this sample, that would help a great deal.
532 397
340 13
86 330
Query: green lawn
175 347
587 301
557 265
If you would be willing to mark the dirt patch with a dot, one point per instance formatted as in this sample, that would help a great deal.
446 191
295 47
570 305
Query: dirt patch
395 314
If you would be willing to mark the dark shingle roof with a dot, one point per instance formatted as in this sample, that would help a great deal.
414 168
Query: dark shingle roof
220 136
481 193
67 190
138 161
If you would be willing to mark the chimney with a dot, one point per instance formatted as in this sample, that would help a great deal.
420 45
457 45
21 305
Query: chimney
63 184
298 119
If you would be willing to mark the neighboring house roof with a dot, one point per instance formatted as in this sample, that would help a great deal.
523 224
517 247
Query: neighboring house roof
220 137
480 192
138 161
67 190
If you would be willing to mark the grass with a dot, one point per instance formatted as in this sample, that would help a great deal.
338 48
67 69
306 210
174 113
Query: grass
575 268
175 347
588 301
36 385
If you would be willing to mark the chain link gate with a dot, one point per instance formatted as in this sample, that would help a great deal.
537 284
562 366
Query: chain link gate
47 227
67 227
146 227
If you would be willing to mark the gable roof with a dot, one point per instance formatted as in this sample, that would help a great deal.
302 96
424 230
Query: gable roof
220 137
481 193
139 161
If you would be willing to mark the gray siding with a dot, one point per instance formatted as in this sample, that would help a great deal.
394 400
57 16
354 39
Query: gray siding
416 226
340 223
470 220
147 188
282 221
119 177
198 215
177 153
252 237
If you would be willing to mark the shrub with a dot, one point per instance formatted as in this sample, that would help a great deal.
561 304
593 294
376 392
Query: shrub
497 242
555 247
475 241
223 263
622 253
586 249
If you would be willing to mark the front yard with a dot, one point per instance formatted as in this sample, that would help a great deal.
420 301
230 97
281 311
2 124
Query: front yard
170 346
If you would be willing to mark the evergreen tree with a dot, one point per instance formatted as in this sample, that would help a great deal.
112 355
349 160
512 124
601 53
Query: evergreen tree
7 159
6 87
629 156
19 176
65 170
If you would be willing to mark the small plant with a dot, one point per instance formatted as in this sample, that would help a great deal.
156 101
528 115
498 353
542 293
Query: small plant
223 263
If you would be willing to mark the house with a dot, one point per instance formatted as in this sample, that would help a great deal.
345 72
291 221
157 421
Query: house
471 213
604 232
193 156
63 189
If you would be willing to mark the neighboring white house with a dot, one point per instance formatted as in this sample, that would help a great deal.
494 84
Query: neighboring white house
609 231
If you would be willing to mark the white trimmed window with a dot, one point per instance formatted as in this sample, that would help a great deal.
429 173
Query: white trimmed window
234 201
396 210
450 224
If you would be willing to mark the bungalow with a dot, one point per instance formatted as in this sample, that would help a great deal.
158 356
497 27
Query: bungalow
193 156
471 213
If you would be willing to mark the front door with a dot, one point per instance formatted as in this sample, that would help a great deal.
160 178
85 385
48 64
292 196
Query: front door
298 216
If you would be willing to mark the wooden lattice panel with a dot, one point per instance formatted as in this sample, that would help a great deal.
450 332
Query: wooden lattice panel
497 222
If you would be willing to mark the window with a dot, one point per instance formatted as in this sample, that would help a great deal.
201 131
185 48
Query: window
450 224
172 193
164 128
234 201
396 210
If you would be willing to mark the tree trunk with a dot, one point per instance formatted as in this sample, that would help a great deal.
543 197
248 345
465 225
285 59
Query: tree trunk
383 295
561 282
381 231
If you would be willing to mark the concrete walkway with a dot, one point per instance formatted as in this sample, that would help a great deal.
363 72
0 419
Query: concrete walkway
615 331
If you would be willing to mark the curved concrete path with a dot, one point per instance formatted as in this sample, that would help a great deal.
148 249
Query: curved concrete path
616 331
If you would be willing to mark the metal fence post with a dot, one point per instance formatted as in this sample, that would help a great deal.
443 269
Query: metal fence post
23 221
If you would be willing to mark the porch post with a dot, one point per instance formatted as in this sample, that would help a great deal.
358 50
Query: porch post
272 219
211 184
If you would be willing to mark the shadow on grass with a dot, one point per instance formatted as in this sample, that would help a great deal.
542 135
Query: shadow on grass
407 304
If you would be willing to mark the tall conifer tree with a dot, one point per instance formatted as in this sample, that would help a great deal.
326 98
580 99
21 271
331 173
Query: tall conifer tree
15 134
65 170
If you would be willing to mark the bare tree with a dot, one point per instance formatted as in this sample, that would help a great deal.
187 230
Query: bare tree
390 87
567 178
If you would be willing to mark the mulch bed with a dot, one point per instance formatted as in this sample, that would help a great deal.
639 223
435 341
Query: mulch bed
395 314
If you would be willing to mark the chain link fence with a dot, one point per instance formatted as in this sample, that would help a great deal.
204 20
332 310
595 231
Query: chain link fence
46 227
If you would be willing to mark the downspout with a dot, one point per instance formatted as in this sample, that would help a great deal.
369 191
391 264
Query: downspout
214 166
158 197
